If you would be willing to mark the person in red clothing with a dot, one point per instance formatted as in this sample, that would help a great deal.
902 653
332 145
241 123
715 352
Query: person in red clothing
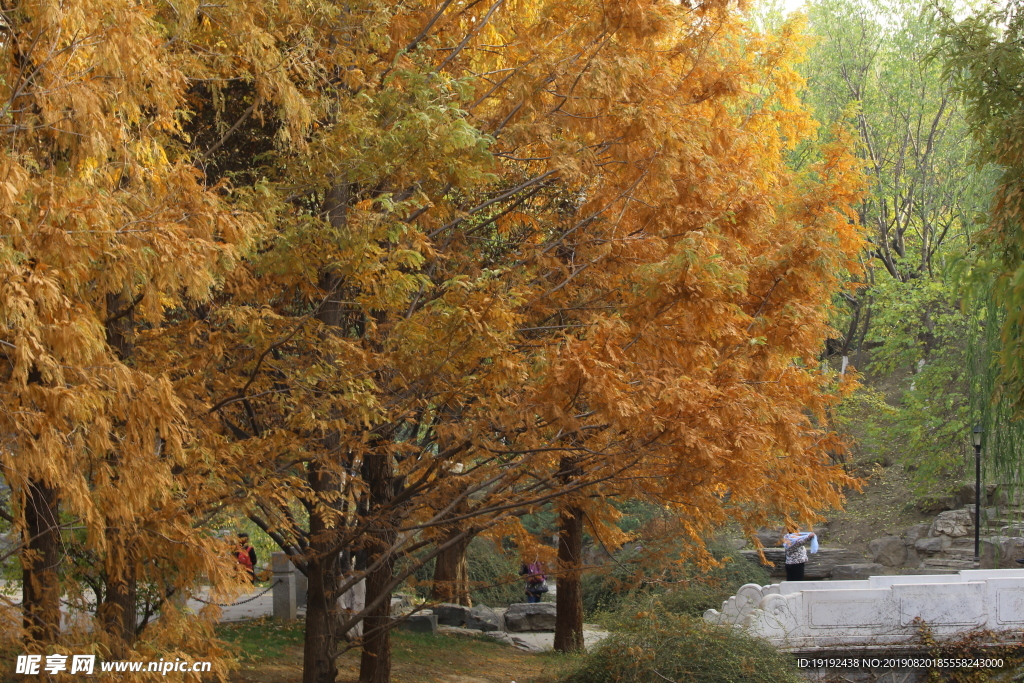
246 556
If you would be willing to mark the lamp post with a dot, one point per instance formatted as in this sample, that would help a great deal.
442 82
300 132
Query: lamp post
977 494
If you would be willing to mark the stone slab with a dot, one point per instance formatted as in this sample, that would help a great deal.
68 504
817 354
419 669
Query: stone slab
819 565
888 550
484 618
449 614
526 616
419 623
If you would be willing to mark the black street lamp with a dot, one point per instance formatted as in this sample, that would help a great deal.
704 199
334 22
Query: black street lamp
977 494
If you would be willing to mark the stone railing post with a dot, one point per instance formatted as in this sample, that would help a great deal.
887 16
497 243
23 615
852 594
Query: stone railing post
285 603
301 588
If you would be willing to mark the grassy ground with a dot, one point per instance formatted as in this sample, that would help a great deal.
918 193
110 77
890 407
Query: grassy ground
271 652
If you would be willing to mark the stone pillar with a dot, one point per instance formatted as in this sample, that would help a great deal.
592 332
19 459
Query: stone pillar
284 586
301 588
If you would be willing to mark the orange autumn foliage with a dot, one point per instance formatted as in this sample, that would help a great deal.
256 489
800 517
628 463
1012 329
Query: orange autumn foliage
398 265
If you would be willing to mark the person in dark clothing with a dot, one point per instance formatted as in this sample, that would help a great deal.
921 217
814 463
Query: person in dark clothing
536 583
246 556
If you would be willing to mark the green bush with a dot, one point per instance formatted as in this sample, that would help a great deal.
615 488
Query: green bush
652 645
493 575
681 587
701 592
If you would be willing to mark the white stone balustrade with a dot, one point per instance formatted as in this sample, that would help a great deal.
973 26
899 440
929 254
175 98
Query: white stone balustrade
880 611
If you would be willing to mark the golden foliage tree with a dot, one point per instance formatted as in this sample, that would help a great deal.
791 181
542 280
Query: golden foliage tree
413 268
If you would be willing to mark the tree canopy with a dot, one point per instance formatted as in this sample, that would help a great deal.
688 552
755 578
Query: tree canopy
382 277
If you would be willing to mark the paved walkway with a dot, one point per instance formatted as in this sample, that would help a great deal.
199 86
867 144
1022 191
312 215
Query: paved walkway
255 604
250 605
592 635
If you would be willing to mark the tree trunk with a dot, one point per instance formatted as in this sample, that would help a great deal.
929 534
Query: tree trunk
569 601
40 561
451 574
323 561
323 573
375 666
119 611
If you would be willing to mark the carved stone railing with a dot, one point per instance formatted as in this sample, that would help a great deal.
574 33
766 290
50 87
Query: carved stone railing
882 610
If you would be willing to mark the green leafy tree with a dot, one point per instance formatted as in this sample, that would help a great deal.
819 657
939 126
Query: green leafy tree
873 69
984 59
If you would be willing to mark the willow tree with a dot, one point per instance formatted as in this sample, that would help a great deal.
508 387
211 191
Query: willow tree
983 58
874 67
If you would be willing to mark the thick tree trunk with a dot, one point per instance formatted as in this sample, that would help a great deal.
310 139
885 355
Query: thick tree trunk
451 575
569 601
323 573
375 666
119 611
40 562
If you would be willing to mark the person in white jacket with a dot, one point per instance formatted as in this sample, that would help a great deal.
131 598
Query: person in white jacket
796 544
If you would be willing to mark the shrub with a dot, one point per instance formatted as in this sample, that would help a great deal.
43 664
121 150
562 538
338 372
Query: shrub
651 645
700 592
683 588
493 575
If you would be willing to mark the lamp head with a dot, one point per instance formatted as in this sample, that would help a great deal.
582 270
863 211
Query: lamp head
977 436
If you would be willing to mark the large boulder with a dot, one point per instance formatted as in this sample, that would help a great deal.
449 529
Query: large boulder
449 614
888 550
1012 549
997 495
992 552
530 616
420 622
930 545
819 565
932 504
854 572
400 603
992 495
525 645
501 637
915 532
966 493
770 538
483 618
953 523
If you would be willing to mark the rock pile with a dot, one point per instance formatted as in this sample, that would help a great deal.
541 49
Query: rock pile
820 565
480 620
947 543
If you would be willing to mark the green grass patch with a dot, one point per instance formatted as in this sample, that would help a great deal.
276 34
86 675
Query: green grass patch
649 644
262 639
412 647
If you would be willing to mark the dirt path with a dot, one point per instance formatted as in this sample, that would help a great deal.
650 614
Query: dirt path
883 508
